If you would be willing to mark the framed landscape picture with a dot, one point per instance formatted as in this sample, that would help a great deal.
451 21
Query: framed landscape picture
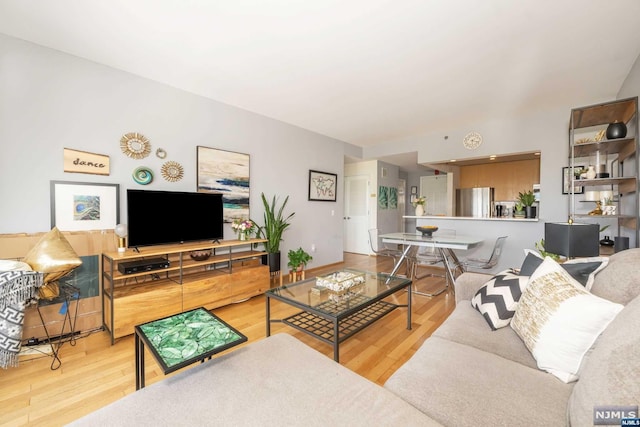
227 173
322 186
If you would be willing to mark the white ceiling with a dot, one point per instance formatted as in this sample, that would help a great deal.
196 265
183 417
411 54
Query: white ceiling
362 71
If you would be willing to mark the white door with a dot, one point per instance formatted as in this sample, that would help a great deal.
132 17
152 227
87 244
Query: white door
356 214
434 189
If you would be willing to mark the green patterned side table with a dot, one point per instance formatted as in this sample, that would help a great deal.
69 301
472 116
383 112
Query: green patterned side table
182 339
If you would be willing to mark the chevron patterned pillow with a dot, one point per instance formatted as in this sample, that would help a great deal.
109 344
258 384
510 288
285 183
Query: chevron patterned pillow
498 298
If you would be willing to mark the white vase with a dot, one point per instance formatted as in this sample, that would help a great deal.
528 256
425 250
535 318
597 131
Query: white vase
591 172
419 210
242 236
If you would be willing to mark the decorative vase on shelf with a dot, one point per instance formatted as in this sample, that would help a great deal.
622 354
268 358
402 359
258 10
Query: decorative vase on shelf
616 130
591 172
419 210
242 236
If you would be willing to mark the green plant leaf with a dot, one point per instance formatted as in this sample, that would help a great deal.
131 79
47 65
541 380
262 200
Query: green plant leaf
275 223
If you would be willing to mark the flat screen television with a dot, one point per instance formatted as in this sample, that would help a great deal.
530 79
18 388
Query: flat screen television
163 217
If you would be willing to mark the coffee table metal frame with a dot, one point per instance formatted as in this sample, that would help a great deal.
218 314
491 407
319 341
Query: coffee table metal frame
329 319
141 339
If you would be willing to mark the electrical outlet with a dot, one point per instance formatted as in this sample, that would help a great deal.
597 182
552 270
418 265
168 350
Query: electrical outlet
313 248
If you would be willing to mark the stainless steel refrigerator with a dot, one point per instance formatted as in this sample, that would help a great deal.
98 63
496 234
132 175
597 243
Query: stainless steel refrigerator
474 202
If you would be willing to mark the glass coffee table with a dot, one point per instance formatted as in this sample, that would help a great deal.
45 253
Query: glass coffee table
182 339
340 309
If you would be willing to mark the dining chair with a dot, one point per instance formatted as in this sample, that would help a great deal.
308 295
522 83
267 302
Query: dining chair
429 257
486 263
380 248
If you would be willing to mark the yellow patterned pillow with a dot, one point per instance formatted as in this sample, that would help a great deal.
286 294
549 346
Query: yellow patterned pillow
559 320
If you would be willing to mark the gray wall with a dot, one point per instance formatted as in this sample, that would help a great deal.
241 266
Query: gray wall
50 100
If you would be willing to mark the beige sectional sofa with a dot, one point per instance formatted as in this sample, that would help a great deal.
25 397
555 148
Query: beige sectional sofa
464 374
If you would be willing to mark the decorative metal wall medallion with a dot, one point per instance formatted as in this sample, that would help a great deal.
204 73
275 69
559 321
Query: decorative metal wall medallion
135 145
472 140
143 175
160 153
172 171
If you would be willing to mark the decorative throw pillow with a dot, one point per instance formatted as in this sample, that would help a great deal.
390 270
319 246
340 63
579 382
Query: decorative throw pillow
54 256
498 298
559 320
583 270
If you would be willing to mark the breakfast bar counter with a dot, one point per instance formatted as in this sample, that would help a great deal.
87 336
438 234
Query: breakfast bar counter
522 234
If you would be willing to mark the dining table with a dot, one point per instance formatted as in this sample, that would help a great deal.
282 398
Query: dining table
444 243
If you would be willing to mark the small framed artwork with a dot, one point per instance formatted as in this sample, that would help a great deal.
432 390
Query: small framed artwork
567 175
383 197
322 186
414 190
393 198
83 206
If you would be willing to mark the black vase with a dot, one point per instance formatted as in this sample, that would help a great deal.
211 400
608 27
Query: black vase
616 130
530 211
606 241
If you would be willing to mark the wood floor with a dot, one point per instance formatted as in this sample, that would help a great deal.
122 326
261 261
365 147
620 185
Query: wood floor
95 373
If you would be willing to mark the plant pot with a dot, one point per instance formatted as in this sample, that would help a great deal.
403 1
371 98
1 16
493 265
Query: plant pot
530 211
616 130
273 261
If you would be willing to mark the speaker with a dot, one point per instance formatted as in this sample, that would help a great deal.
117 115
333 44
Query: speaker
620 243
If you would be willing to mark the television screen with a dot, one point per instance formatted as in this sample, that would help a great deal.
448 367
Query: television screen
160 217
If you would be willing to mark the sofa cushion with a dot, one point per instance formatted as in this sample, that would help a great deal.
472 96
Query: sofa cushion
460 385
498 298
620 281
611 373
277 381
467 284
584 270
466 326
559 320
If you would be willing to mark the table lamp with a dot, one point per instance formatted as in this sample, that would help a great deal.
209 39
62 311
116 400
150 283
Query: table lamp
572 240
121 231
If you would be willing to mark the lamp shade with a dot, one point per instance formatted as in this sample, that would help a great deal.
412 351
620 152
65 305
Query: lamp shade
121 230
572 240
592 196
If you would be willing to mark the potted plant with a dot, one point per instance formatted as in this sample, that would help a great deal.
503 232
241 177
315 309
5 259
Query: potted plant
298 260
518 210
244 228
419 205
540 247
275 223
527 199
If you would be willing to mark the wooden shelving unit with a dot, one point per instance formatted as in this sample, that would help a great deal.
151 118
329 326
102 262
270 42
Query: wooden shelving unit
623 152
232 273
